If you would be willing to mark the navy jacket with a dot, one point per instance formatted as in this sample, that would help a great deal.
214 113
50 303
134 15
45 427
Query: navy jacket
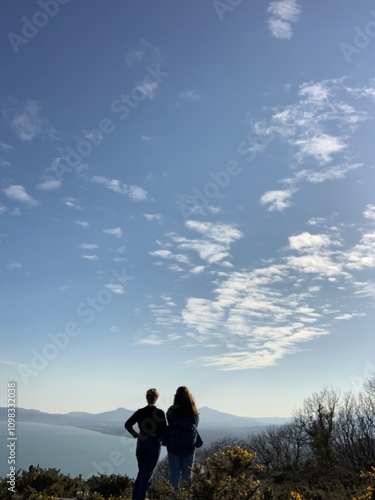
181 434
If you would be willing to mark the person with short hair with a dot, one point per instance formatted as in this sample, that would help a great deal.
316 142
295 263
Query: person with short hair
152 426
182 434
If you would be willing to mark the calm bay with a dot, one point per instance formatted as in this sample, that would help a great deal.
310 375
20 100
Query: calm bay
74 451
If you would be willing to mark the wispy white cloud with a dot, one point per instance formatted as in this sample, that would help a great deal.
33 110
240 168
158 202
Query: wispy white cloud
316 264
317 92
135 193
213 246
362 255
327 174
306 242
366 91
163 311
116 231
82 223
70 202
49 185
222 233
319 255
89 257
26 121
364 289
152 217
88 246
311 117
167 254
13 265
143 52
5 147
115 288
349 316
148 89
197 269
321 147
277 200
18 193
255 317
151 340
318 128
283 14
202 315
369 213
190 206
210 252
189 96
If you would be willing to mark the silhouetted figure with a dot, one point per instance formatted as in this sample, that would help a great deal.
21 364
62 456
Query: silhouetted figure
152 426
182 433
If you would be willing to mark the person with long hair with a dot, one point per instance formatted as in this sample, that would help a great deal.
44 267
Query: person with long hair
152 427
182 433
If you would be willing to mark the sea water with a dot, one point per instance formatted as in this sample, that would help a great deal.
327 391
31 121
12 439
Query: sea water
74 451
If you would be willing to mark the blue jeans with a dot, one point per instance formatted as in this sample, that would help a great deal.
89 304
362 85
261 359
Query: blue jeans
147 453
180 466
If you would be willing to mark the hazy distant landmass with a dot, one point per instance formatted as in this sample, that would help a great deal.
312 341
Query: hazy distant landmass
82 443
213 424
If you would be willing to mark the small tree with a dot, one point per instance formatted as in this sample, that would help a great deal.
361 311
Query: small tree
317 418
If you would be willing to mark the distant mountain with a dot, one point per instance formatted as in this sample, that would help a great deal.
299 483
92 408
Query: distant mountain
214 418
213 424
119 415
111 422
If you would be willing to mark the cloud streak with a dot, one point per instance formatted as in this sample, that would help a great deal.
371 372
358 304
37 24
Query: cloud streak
26 121
317 128
135 193
256 317
282 14
18 193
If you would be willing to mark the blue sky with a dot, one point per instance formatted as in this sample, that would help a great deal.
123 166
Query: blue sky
186 198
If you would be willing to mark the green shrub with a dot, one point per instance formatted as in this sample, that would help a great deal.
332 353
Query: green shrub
48 484
114 485
37 481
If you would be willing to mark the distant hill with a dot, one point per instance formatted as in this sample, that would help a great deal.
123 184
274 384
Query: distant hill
111 422
215 418
213 425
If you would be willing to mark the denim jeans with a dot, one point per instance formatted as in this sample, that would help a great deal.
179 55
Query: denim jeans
180 466
147 453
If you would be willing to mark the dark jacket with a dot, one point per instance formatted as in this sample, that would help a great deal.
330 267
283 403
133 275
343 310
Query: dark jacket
150 420
181 433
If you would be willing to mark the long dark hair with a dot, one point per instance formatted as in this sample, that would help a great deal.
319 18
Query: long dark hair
184 403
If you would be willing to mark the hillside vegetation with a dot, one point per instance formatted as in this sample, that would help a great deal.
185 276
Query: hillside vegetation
327 452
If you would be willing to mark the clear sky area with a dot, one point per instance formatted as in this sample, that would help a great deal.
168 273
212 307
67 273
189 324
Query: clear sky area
187 197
